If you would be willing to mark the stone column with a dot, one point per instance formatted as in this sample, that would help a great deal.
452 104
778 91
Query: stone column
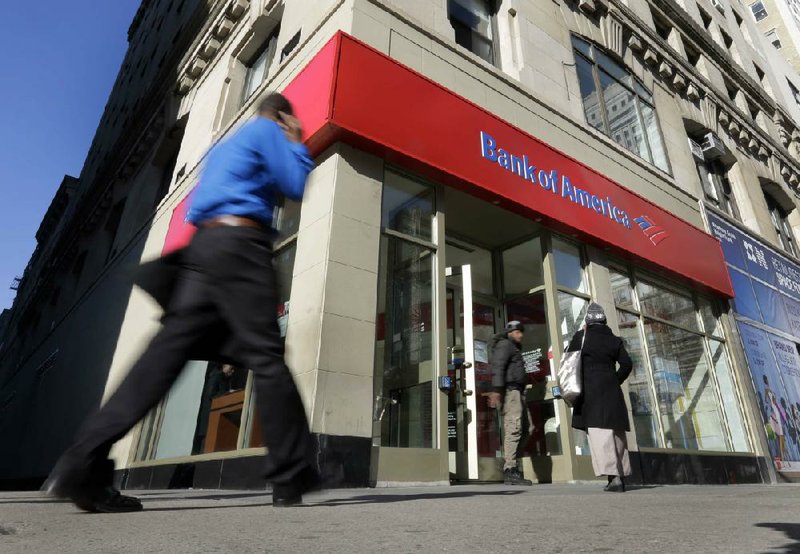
331 332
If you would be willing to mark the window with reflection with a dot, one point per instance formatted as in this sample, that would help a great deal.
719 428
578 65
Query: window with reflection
569 265
663 303
780 222
525 301
616 103
523 267
686 392
258 68
714 179
206 410
682 391
404 357
408 206
473 26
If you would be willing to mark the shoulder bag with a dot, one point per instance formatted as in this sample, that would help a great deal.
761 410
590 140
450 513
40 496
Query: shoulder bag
570 378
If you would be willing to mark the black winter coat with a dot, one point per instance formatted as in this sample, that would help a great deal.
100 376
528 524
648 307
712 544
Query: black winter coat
508 368
602 403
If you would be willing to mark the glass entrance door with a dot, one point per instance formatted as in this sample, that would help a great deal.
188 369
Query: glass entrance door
474 429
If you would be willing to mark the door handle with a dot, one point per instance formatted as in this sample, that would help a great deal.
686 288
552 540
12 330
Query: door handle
467 393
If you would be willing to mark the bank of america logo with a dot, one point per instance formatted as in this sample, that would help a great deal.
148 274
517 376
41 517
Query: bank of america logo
654 232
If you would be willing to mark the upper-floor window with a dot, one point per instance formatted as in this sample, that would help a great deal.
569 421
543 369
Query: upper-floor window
772 36
618 104
716 186
795 91
258 69
758 9
780 221
473 23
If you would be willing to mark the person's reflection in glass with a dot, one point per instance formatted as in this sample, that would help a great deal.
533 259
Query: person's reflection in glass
220 380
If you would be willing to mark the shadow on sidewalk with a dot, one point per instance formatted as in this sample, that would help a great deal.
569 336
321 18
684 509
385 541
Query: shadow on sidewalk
165 496
390 498
351 501
792 532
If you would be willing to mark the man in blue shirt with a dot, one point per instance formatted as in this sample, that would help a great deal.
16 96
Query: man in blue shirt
225 285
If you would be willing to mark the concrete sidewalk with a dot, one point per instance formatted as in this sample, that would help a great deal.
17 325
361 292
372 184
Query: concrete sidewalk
468 518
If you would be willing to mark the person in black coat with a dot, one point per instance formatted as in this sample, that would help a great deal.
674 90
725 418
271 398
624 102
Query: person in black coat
601 409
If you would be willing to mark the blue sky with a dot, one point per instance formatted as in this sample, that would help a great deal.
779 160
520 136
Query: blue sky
59 63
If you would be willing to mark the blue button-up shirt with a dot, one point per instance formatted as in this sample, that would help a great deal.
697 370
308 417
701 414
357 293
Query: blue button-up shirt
244 173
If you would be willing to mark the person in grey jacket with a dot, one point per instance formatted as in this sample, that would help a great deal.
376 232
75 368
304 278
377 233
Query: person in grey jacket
508 391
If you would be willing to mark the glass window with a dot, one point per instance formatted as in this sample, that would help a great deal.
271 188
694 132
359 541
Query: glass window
404 359
257 70
283 262
657 150
758 9
693 385
544 438
772 36
640 393
569 268
711 323
472 22
795 91
480 262
408 206
287 218
717 187
621 290
220 415
688 404
730 402
622 108
571 313
624 124
612 68
591 100
780 222
523 268
203 411
582 46
665 304
404 365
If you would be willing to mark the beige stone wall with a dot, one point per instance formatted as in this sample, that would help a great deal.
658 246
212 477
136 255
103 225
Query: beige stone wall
779 18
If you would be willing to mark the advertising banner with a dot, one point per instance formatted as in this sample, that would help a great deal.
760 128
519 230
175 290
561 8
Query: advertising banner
775 367
767 286
751 256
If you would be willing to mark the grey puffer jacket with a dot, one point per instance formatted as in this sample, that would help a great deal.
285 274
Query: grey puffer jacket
508 368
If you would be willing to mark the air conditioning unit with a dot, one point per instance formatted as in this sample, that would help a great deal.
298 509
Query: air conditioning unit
697 150
713 147
718 4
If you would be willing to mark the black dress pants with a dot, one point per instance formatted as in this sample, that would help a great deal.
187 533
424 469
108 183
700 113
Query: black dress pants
226 282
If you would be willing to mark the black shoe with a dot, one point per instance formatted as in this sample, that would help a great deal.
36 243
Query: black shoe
291 493
87 489
107 500
513 476
617 485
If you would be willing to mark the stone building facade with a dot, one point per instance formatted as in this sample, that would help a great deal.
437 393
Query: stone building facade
656 126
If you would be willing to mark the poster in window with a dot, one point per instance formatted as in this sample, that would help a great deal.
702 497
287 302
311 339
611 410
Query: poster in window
769 357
